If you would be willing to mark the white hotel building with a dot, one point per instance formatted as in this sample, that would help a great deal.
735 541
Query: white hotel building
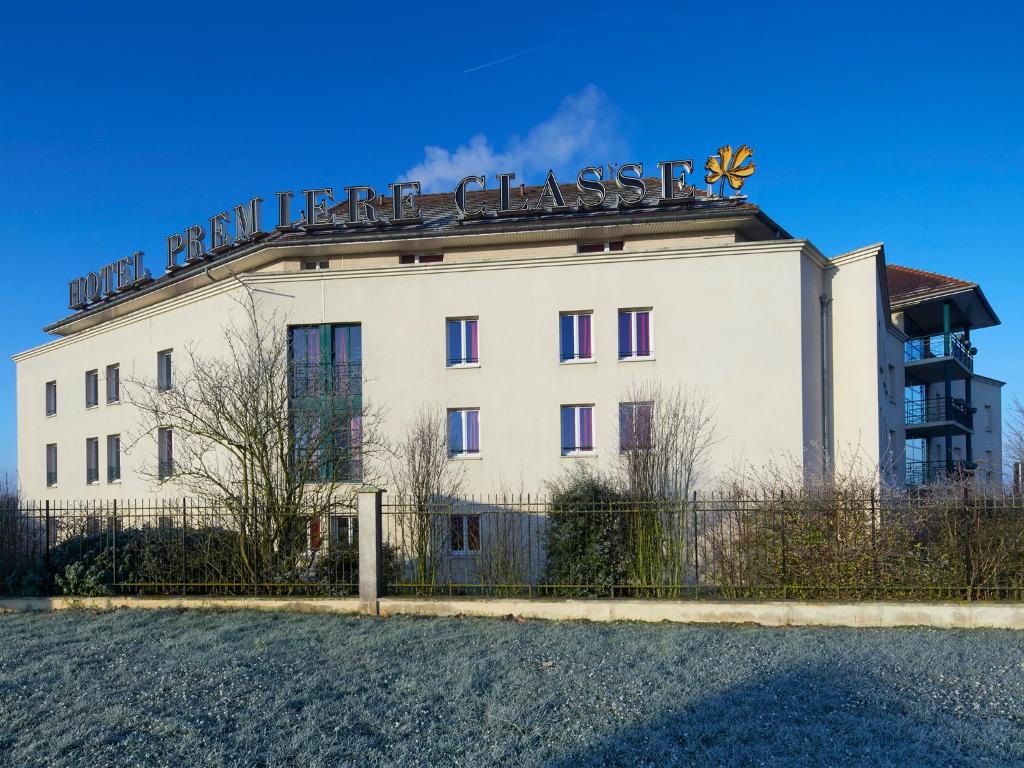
530 326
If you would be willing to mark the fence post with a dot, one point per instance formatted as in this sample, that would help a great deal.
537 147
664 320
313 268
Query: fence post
874 550
696 562
968 565
47 539
785 565
113 547
370 540
184 544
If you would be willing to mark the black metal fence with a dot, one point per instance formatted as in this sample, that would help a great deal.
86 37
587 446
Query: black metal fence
175 547
932 545
948 545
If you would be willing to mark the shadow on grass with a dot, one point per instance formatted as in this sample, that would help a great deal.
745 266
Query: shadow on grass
810 717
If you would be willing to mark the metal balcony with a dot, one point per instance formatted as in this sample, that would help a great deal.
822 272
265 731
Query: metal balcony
930 416
923 357
920 473
323 378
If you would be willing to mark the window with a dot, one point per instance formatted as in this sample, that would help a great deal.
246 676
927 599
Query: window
325 400
113 383
463 342
575 340
612 245
577 429
635 425
892 383
344 529
988 418
113 458
634 333
465 532
92 388
164 371
51 464
421 258
464 432
317 265
165 452
51 398
92 460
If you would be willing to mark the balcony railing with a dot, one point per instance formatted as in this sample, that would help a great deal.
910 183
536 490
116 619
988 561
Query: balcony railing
113 473
929 347
936 409
51 478
316 378
92 475
931 472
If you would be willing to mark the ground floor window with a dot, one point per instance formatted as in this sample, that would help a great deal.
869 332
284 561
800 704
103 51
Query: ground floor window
465 534
113 458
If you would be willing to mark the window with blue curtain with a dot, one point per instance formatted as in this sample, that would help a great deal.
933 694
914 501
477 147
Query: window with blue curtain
463 341
577 429
464 431
574 335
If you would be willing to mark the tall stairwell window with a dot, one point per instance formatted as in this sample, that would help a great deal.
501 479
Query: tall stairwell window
326 400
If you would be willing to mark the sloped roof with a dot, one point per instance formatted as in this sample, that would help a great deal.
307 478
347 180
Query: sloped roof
907 284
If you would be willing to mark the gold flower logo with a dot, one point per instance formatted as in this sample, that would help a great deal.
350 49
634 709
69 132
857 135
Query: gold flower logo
727 167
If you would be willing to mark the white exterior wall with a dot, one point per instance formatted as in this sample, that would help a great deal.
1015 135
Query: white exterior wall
867 399
738 321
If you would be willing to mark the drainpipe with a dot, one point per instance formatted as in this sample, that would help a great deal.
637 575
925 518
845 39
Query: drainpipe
826 394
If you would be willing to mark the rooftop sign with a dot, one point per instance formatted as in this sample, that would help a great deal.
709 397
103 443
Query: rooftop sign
243 224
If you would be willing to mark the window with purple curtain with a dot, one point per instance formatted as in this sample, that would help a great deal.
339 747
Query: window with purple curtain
464 431
635 425
634 333
463 342
574 334
577 423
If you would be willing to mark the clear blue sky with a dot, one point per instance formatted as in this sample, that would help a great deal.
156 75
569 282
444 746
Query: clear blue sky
120 124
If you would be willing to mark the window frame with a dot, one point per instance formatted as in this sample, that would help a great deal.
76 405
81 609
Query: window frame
92 461
603 246
466 453
162 384
114 469
115 369
51 386
165 453
577 450
576 359
92 387
634 405
633 313
316 265
408 259
462 322
51 482
463 520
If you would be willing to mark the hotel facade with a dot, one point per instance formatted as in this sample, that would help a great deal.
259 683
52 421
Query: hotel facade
529 315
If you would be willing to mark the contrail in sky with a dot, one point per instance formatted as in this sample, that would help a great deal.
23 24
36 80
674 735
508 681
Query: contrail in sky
507 58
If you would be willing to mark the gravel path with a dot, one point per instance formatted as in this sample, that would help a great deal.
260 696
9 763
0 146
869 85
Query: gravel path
154 688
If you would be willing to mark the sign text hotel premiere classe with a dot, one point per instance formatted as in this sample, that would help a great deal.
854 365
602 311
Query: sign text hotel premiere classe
198 243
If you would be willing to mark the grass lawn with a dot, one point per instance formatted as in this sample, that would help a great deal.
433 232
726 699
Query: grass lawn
155 688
